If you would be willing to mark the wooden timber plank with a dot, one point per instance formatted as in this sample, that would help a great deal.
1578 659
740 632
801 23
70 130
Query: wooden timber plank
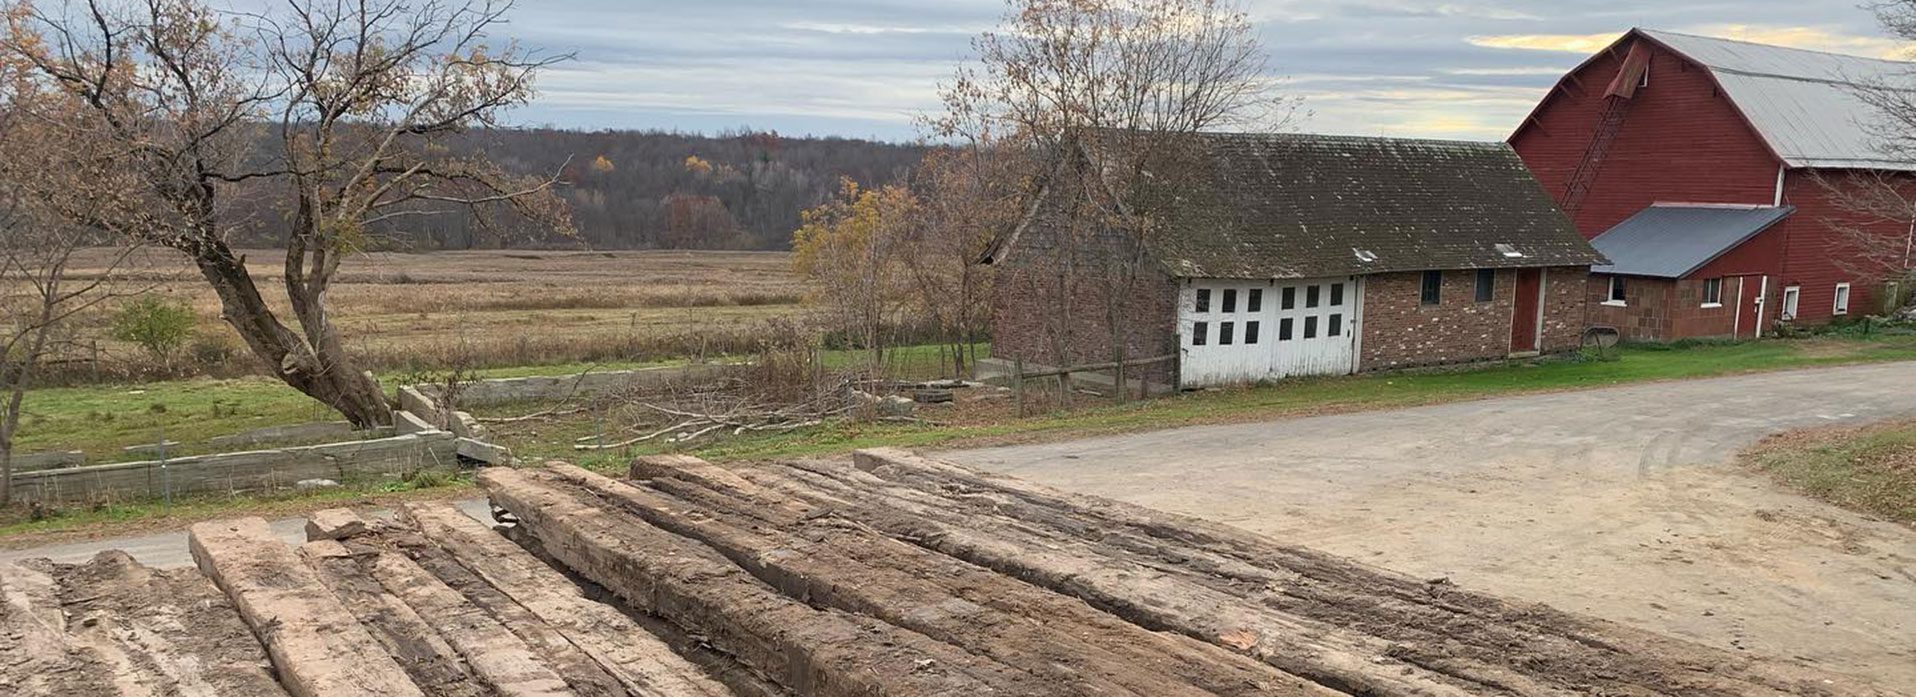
170 632
642 663
432 663
319 649
495 654
37 659
823 653
829 562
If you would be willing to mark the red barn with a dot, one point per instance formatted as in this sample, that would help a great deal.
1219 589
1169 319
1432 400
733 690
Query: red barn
1698 167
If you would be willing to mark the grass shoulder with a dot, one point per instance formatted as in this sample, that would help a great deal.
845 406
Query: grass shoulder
1870 469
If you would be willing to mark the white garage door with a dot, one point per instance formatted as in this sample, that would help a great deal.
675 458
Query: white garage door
1245 331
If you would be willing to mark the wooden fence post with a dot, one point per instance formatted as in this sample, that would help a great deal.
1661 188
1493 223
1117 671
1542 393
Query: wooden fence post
1018 383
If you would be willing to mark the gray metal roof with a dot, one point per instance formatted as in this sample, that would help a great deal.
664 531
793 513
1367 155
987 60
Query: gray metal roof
1805 104
1673 241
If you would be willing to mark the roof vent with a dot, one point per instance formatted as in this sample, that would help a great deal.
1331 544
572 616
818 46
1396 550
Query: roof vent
1509 252
1365 255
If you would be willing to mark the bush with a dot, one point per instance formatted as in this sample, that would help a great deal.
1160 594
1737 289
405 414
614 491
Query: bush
156 325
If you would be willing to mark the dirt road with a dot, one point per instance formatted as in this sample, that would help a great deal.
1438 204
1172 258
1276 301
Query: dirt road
1621 503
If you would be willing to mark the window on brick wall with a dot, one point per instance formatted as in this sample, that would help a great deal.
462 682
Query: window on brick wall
1619 294
1842 298
1433 292
1713 292
1486 285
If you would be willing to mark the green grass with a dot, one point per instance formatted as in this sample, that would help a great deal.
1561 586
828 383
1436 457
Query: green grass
1870 469
137 515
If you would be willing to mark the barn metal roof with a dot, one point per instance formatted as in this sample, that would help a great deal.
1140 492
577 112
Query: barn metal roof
1805 104
1295 206
1674 241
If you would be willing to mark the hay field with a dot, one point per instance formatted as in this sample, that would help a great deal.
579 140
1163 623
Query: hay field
491 308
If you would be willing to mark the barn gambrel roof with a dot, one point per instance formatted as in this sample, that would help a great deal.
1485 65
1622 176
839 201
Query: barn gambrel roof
1807 106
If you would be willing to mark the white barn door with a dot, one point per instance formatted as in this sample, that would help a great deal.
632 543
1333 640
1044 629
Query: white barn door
1232 332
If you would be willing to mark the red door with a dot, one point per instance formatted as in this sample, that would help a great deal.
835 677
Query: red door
1752 293
1526 322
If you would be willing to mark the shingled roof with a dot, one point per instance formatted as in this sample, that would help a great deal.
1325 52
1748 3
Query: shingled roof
1302 206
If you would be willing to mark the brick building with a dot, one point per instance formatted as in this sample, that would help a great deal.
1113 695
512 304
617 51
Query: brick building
1720 155
1290 255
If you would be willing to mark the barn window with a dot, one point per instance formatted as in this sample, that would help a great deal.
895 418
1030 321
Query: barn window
1284 329
1337 294
1204 300
1337 326
1224 332
1289 301
1250 332
1486 285
1792 297
1618 294
1310 327
1842 298
1255 303
1713 292
1433 287
1313 296
1230 300
1200 333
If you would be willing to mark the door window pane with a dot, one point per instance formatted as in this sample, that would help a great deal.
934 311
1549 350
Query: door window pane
1284 329
1310 327
1337 326
1255 303
1230 300
1312 295
1290 299
1204 300
1200 333
1337 294
1224 333
1250 332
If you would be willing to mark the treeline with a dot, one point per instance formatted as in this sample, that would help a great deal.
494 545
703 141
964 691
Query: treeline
653 190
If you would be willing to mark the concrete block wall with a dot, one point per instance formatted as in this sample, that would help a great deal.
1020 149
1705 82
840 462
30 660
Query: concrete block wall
264 470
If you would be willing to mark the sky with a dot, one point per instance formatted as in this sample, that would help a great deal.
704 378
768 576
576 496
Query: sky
867 68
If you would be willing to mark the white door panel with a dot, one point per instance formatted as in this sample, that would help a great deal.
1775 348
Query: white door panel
1245 331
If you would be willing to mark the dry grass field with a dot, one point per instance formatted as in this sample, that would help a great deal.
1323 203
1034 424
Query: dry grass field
490 309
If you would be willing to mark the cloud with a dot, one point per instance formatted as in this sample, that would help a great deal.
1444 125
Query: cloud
1517 71
1812 38
1567 43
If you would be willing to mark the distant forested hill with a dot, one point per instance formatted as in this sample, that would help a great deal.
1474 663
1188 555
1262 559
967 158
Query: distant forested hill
650 190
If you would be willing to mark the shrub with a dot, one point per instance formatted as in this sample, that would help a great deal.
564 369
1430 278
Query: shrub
156 325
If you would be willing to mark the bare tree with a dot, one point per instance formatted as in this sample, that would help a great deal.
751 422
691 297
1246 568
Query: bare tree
966 196
853 248
343 103
1106 94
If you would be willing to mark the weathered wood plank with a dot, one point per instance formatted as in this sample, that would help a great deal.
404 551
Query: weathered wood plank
319 649
493 652
825 560
813 652
36 657
432 663
168 631
641 663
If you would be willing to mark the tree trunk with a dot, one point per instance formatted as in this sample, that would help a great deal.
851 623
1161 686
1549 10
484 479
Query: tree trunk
319 369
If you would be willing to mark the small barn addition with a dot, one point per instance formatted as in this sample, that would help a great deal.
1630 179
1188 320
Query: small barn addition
1301 255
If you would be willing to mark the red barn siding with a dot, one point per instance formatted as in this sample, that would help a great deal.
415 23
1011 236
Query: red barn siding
1683 142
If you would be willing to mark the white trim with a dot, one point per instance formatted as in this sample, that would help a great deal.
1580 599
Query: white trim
1543 298
1357 326
1736 321
1615 303
1711 306
1762 305
1842 299
1781 172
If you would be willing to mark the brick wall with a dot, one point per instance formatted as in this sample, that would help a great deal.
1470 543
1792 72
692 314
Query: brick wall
1401 332
1030 322
1566 308
1645 316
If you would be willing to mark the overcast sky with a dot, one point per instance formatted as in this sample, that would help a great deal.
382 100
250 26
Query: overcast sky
865 68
